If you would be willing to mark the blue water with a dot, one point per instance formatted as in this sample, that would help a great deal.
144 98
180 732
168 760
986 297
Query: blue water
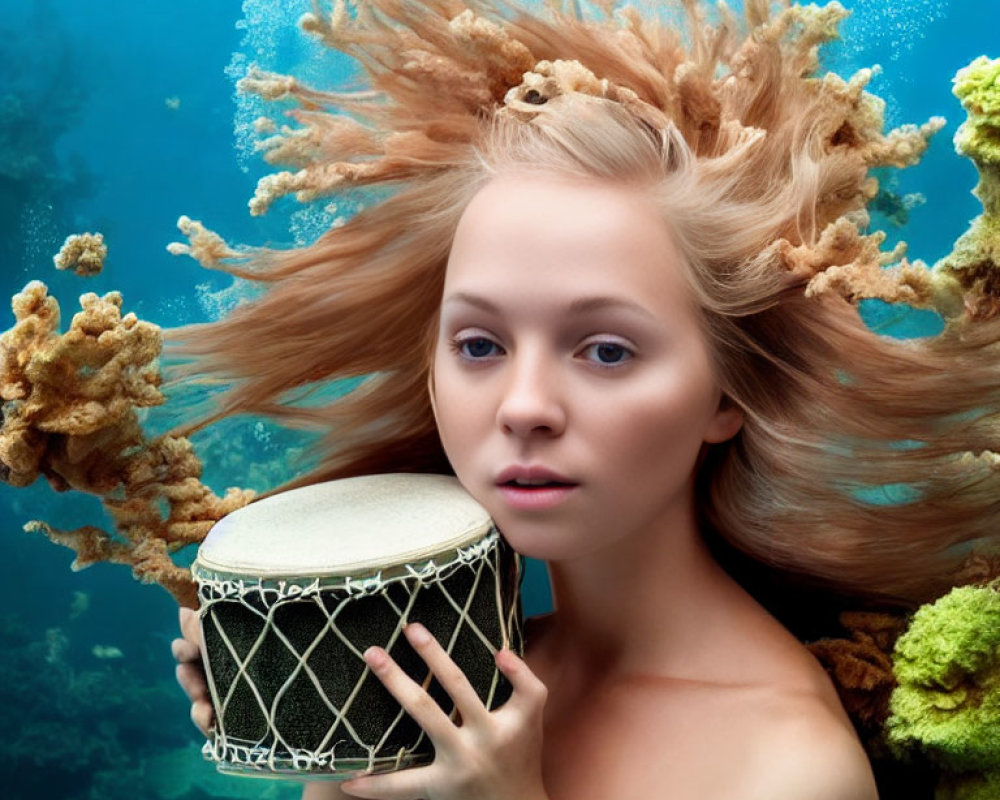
120 116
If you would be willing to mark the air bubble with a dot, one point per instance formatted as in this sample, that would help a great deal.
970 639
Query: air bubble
888 27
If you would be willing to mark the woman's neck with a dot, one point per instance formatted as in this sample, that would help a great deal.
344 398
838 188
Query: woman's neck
653 603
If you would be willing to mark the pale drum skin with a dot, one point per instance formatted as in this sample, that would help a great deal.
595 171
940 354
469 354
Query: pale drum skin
664 678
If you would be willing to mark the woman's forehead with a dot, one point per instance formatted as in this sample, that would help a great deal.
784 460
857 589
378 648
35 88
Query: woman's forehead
588 236
555 204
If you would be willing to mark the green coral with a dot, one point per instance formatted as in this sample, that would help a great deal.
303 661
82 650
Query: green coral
972 267
977 86
947 703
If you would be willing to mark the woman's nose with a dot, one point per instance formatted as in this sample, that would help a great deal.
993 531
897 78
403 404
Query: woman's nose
532 399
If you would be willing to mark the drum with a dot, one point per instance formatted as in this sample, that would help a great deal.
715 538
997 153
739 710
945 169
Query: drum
295 587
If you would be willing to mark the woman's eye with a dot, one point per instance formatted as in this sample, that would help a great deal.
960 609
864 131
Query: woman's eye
609 353
475 347
478 348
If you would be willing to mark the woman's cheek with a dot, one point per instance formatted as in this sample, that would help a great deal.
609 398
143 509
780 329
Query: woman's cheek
459 426
660 433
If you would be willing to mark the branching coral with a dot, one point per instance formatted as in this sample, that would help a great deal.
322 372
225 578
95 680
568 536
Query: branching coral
69 413
947 704
84 253
438 70
965 285
460 65
205 246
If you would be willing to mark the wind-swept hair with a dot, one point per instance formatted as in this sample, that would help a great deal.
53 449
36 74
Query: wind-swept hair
762 169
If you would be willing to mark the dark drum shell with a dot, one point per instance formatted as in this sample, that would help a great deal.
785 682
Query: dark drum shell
292 693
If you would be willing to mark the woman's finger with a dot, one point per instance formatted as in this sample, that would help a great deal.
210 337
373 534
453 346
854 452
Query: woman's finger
203 716
529 691
454 681
192 681
406 784
410 695
190 627
185 651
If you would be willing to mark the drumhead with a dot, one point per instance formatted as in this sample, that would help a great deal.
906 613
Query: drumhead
345 527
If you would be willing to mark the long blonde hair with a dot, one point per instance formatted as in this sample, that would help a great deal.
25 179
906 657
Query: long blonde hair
762 171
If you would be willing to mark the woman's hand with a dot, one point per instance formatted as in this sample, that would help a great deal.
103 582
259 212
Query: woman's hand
191 672
492 755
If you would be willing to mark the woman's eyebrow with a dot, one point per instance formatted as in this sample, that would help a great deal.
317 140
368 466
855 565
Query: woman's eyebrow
580 305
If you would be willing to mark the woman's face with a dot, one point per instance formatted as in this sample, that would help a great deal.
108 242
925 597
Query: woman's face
569 350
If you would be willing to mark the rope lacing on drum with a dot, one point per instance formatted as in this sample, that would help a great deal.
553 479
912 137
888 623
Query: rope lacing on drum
273 751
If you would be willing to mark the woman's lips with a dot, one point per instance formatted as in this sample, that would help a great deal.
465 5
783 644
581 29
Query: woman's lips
530 473
532 498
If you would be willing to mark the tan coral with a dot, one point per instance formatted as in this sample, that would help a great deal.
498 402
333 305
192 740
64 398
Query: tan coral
310 184
84 253
861 668
205 246
267 85
149 558
902 283
548 80
484 41
69 414
850 264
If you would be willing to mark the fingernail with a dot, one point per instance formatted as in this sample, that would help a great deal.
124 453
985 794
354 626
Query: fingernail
375 656
505 659
417 633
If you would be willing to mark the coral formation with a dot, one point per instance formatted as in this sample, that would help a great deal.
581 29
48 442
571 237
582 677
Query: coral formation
205 246
69 413
947 704
924 688
69 401
973 264
977 86
964 285
861 667
84 253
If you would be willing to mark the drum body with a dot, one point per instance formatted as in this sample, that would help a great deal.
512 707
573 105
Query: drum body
292 693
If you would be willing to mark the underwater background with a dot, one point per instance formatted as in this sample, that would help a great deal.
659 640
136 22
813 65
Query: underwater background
119 117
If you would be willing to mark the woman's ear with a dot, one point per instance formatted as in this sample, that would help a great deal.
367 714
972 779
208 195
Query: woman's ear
430 391
726 423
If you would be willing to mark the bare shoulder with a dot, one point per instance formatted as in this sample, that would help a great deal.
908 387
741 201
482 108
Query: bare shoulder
807 753
804 745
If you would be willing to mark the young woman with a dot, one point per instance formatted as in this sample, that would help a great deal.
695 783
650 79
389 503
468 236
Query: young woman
587 297
570 349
